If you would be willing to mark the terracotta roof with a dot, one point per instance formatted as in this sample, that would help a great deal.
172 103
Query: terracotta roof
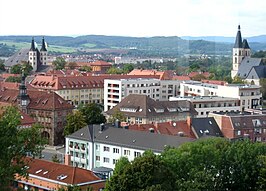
64 72
9 85
53 171
38 99
164 75
6 75
193 74
217 82
100 63
181 78
76 82
26 119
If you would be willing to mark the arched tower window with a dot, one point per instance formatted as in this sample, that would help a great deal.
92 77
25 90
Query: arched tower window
235 60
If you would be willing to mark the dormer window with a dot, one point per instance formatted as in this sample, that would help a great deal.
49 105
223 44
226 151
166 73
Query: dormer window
128 109
159 110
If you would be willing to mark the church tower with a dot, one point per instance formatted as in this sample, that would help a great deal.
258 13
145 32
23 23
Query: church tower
33 56
43 53
240 51
23 97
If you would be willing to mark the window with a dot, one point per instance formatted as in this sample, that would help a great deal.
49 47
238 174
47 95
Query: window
106 148
98 158
238 132
115 150
97 147
136 154
115 161
106 160
126 152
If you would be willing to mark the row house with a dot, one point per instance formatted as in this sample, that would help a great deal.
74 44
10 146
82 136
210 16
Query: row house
141 109
102 145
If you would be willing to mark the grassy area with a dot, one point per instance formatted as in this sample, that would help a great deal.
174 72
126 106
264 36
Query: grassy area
20 45
89 45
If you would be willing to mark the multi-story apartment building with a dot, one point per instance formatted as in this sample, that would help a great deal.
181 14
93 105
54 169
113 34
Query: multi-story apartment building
248 95
235 125
103 145
141 109
115 90
76 89
206 104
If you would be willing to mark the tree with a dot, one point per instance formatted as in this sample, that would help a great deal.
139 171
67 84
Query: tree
74 122
117 115
59 63
55 158
237 80
2 65
114 70
92 113
15 145
72 65
85 68
17 69
127 68
148 172
263 87
14 79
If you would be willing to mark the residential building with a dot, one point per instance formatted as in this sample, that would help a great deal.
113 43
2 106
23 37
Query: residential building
248 95
76 89
206 104
164 75
103 145
235 125
141 109
115 90
45 175
98 66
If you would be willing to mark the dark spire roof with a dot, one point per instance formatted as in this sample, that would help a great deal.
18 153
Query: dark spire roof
43 45
32 48
245 44
238 42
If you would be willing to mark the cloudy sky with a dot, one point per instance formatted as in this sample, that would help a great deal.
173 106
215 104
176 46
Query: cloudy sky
133 17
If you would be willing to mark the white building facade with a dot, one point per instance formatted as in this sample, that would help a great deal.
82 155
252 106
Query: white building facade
116 90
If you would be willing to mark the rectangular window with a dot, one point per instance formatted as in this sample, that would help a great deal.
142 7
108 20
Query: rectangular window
98 158
97 147
115 161
126 152
106 160
115 150
136 154
106 148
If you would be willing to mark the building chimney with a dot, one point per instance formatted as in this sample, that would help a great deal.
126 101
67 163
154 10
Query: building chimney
67 159
101 126
117 123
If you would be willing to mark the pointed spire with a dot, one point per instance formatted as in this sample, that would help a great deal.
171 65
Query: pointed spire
245 44
32 48
238 42
43 45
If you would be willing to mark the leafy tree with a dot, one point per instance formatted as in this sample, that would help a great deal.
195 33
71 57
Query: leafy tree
114 70
263 87
17 69
127 68
85 68
262 174
199 77
15 145
92 113
72 65
237 80
74 122
148 172
59 63
13 79
117 115
55 158
2 66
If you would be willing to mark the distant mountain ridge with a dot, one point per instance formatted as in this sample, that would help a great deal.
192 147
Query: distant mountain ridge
138 46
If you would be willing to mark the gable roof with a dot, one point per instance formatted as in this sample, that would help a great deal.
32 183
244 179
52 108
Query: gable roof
18 57
130 139
144 106
257 72
205 126
246 65
52 171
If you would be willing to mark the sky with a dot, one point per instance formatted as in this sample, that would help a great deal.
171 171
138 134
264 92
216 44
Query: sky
139 18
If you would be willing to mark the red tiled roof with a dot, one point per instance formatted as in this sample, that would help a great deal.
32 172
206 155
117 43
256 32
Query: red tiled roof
193 74
26 119
6 75
181 78
216 82
164 75
9 85
52 171
38 99
77 82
